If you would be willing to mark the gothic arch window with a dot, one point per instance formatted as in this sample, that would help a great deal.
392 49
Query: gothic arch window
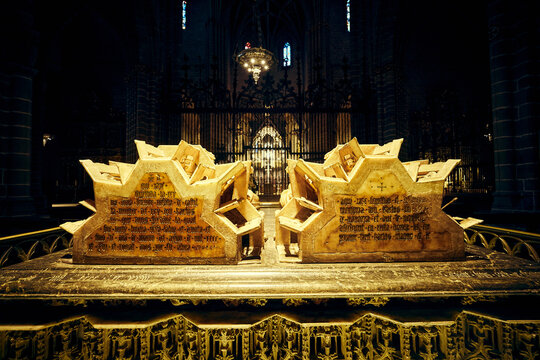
349 15
287 57
267 137
269 159
184 14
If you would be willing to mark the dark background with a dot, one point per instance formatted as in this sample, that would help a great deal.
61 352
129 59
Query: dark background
454 78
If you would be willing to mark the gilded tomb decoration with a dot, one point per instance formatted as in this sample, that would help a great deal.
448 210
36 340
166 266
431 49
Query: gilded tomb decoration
364 204
174 205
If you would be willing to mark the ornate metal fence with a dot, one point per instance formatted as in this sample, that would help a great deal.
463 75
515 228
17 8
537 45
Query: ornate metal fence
512 242
267 122
23 247
27 246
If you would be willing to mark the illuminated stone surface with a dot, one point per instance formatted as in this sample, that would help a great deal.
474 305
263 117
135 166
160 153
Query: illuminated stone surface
363 204
483 272
173 206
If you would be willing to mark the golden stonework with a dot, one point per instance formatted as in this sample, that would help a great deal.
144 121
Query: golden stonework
174 205
364 204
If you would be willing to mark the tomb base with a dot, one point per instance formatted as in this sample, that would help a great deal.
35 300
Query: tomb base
55 309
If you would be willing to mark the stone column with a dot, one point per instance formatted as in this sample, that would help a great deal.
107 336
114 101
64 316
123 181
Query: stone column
384 67
143 117
513 52
19 46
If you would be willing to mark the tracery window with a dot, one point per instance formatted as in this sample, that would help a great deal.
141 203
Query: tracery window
349 15
184 14
287 58
267 137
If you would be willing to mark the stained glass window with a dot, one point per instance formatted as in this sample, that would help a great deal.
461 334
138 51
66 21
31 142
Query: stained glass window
349 15
287 54
184 15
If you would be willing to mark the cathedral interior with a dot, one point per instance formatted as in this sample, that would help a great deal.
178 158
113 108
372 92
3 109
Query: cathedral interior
455 79
83 80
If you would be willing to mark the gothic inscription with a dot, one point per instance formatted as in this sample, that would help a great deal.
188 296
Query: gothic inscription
381 223
155 221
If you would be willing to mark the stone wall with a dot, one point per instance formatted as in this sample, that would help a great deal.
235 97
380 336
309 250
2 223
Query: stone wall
513 54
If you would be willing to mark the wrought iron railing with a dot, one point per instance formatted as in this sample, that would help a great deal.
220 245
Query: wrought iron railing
513 242
23 247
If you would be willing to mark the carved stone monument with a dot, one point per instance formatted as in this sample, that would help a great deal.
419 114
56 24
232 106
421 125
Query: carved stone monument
364 204
174 205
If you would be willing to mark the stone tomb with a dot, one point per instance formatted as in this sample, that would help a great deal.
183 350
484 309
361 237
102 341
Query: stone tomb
364 204
173 206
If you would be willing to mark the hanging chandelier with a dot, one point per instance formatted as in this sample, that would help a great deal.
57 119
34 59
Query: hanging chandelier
256 60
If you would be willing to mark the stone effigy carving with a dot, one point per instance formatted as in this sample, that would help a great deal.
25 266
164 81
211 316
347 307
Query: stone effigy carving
364 204
174 205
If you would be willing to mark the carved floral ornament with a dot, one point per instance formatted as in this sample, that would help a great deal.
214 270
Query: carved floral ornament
468 336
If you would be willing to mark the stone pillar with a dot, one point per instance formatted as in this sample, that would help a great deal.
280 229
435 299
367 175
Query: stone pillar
18 42
513 52
384 68
143 116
